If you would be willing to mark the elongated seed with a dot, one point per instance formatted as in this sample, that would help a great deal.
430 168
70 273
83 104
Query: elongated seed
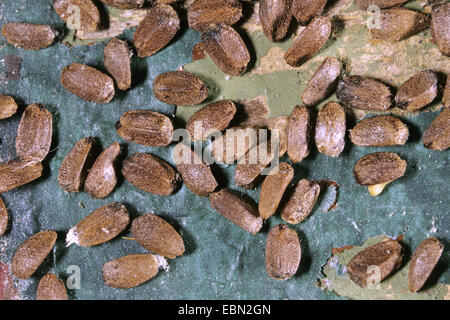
440 27
204 14
16 173
29 36
420 90
275 17
301 202
380 167
8 107
51 288
117 59
298 134
437 135
78 14
331 129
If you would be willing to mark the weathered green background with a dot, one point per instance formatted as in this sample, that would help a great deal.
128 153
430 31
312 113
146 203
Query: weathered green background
221 260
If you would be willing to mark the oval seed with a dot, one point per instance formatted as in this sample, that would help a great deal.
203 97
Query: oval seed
283 252
382 4
298 134
102 178
51 288
145 127
419 91
437 135
301 201
100 226
156 30
150 174
423 262
157 236
446 97
117 59
204 14
30 255
124 4
375 263
88 83
330 129
305 10
3 217
89 16
380 131
179 88
234 144
130 271
275 17
16 173
237 208
34 135
440 27
29 36
8 107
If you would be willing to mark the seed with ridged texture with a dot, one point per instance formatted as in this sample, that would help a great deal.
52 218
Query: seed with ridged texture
8 107
382 4
124 4
30 255
419 91
305 10
437 135
283 252
3 217
100 226
234 144
446 97
78 14
29 36
301 202
298 133
330 129
440 27
16 173
117 58
204 14
158 236
275 17
51 288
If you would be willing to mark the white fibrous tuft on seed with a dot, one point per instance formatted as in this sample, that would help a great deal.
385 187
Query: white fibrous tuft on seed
162 263
72 237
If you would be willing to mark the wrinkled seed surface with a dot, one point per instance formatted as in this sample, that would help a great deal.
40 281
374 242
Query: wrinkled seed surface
16 173
331 129
419 91
204 14
300 202
117 59
51 288
380 167
299 134
29 36
437 135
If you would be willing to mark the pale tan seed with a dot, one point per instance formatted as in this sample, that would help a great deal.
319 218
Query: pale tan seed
301 202
437 135
305 10
16 173
3 217
380 167
124 4
419 91
117 59
204 14
89 15
299 134
234 144
440 27
29 36
8 107
51 288
330 129
275 17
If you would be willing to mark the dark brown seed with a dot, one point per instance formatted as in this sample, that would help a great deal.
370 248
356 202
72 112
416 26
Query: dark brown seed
272 189
380 131
179 88
51 288
237 208
204 14
156 30
196 174
234 144
32 253
375 263
423 262
117 57
34 135
322 83
298 133
446 97
8 107
437 135
419 91
102 178
3 217
278 130
29 36
150 174
378 168
382 4
145 127
305 10
78 14
275 17
364 93
100 226
309 42
157 236
226 49
73 170
330 129
88 83
399 23
283 252
301 201
124 4
130 271
16 173
210 119
440 27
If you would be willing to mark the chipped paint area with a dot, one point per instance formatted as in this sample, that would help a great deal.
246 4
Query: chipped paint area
273 61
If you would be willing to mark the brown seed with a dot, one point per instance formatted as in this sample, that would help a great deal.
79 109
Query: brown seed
100 226
29 36
117 58
375 263
102 178
156 30
16 173
305 10
446 97
30 255
157 236
283 252
380 131
364 93
301 201
210 119
298 133
145 127
179 88
78 14
273 187
34 135
204 14
278 130
3 217
196 174
130 271
382 4
440 27
420 90
51 288
150 174
275 17
322 83
423 262
73 170
437 135
330 129
226 49
88 83
237 208
309 42
234 144
253 112
399 23
8 107
124 4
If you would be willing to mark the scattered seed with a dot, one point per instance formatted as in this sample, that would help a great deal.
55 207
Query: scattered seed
16 173
330 129
382 4
275 17
298 134
3 217
78 14
29 36
437 135
51 288
124 4
8 107
305 10
420 90
440 27
117 59
204 14
234 144
301 202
